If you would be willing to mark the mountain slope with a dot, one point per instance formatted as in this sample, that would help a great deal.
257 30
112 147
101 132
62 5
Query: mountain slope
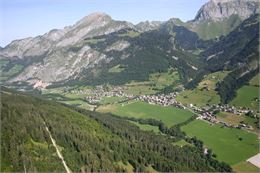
89 59
92 25
42 56
84 53
219 17
221 9
238 53
89 142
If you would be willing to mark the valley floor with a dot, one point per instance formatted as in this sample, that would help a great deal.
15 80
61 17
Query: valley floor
230 132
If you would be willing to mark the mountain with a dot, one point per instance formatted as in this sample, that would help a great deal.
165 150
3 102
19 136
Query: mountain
217 10
238 53
219 17
85 52
89 57
99 58
147 26
40 56
33 131
92 25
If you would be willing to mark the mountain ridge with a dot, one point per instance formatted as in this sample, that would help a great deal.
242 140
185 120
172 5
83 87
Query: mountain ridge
86 49
218 9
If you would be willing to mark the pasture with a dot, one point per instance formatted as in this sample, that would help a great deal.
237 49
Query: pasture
230 118
168 115
205 92
157 82
247 97
116 69
78 103
230 145
182 143
111 100
255 80
146 127
139 88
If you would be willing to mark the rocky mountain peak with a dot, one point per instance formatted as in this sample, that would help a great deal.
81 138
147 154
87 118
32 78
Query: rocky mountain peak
220 9
94 18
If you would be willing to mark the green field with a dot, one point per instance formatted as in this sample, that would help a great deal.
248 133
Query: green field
156 83
79 103
146 127
205 92
139 88
161 80
168 115
198 97
255 80
181 143
246 97
116 69
230 118
111 100
224 142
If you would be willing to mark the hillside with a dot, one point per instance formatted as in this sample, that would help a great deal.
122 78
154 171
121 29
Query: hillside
87 141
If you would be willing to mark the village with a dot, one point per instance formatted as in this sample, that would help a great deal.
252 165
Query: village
207 113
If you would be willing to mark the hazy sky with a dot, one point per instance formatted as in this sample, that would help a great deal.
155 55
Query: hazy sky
25 18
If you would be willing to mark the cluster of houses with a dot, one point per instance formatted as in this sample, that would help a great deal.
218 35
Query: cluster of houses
159 99
209 114
97 94
230 109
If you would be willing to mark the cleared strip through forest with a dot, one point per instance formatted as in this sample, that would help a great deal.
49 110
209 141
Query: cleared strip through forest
57 150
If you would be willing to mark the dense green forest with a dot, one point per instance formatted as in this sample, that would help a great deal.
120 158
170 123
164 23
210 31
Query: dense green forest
89 141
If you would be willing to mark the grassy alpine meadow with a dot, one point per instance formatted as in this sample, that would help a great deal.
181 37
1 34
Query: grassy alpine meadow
79 103
168 115
182 143
139 88
255 80
247 97
146 127
230 145
116 69
205 92
230 118
111 100
198 97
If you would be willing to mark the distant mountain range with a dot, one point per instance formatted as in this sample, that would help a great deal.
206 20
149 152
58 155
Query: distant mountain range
223 35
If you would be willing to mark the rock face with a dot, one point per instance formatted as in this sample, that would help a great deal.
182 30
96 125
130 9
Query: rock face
221 9
61 57
61 65
93 25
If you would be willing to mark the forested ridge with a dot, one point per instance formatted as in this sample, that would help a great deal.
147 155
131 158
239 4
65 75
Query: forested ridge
88 141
